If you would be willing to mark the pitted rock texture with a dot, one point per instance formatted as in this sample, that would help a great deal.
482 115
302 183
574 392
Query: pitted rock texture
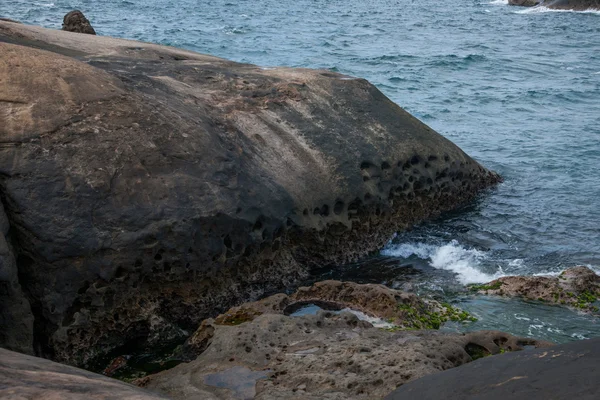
150 188
323 356
24 377
75 21
576 5
404 310
576 287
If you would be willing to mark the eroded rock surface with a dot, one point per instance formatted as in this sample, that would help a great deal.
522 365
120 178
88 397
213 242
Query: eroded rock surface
24 377
323 356
149 188
75 21
403 310
577 287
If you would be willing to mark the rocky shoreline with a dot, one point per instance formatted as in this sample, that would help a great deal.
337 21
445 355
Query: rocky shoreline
186 184
152 196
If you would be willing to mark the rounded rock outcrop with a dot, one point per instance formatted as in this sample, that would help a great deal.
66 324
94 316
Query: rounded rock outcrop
148 188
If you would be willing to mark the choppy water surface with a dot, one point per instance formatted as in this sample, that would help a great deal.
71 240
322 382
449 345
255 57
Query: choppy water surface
518 89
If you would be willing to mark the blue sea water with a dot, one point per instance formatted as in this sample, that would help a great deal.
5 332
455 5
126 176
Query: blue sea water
518 89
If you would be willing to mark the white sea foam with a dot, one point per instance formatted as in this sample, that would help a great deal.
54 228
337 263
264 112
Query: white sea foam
376 322
465 263
542 9
499 2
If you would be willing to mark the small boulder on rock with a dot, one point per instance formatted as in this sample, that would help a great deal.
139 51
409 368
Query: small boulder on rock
576 287
75 21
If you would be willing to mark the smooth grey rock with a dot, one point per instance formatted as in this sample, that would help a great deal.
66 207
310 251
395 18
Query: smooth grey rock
24 377
568 371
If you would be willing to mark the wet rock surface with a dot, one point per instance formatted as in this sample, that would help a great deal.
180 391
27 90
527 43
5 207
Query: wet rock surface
400 309
323 356
524 3
26 377
149 188
75 21
576 5
568 371
577 287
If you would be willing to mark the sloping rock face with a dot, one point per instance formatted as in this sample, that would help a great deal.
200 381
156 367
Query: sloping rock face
149 188
75 21
568 371
576 287
323 356
24 377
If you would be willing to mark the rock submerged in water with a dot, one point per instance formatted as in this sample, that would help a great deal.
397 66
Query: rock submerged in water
577 287
75 21
258 351
148 188
524 3
576 5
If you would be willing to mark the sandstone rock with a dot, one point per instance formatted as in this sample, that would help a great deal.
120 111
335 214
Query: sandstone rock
323 356
149 188
568 371
75 21
577 287
403 310
31 378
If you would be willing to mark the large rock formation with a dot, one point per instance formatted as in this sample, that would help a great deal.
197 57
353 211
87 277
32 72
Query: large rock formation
24 377
576 5
568 371
149 187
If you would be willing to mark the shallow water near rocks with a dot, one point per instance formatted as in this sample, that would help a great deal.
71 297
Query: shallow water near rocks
518 89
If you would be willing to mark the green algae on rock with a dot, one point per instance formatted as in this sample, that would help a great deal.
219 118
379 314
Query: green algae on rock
576 287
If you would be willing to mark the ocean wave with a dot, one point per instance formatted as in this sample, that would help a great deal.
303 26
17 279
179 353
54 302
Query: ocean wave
502 2
465 263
